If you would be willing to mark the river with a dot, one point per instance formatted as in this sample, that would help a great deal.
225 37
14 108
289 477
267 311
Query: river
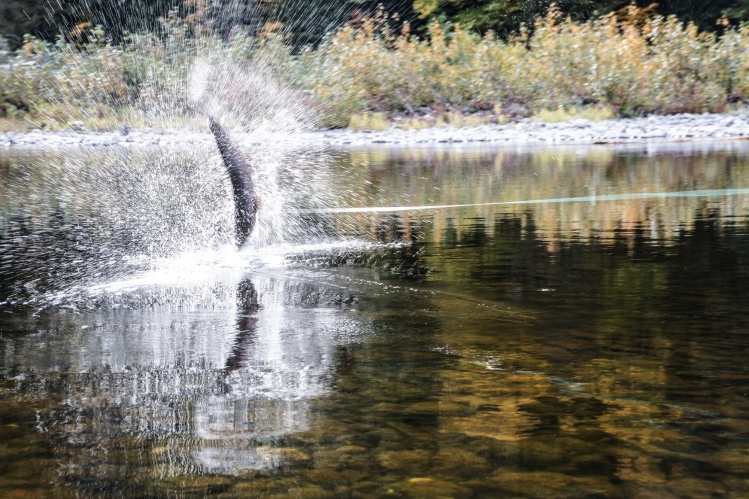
565 321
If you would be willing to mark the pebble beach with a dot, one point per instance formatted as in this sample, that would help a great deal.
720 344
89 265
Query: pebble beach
681 127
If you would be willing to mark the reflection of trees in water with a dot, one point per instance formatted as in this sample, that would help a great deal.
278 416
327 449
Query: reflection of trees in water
712 251
625 331
438 380
656 309
612 326
445 177
398 254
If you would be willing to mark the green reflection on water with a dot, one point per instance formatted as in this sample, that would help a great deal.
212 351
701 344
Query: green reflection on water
546 350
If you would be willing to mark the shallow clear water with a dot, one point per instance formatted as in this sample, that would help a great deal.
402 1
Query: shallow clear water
571 322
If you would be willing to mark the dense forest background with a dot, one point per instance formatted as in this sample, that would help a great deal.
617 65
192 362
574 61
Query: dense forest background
307 21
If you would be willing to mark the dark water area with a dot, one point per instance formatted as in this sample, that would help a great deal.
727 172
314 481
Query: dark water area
548 322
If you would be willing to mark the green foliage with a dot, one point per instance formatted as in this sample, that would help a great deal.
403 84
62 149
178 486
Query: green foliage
622 65
305 22
508 17
308 22
49 20
20 17
703 13
738 10
369 121
54 84
651 65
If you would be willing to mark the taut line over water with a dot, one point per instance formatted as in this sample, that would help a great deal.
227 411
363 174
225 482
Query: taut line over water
580 199
240 173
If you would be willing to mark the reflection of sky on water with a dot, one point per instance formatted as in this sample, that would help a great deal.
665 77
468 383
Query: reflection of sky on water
220 382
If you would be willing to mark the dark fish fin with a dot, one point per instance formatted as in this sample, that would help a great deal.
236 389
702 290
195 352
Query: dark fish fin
240 174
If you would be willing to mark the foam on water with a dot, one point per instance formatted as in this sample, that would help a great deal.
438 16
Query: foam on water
203 279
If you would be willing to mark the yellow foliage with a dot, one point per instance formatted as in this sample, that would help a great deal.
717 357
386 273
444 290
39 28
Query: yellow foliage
416 124
592 113
626 63
633 63
374 122
79 30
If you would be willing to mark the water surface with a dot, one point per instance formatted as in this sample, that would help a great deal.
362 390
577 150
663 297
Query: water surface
551 322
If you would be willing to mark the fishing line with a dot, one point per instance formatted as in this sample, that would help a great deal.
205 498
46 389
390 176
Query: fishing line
580 199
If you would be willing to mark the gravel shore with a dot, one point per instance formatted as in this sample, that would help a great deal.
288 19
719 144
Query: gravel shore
653 128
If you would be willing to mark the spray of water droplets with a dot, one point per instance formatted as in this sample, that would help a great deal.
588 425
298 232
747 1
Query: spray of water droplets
73 222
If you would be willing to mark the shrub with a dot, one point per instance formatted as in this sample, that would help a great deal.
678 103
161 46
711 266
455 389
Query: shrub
631 66
627 65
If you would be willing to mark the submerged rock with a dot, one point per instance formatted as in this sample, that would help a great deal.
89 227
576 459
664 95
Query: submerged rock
307 492
552 485
291 454
350 449
459 462
187 485
428 487
404 459
653 493
437 408
689 488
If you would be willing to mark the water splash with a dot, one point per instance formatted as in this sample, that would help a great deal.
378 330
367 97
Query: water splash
103 232
77 227
101 222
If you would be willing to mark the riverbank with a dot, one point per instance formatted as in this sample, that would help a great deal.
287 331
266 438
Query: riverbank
680 127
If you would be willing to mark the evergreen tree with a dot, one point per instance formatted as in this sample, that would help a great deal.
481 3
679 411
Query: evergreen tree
704 13
508 16
48 20
305 22
739 11
21 17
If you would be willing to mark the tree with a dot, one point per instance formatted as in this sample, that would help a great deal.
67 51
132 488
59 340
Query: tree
704 13
305 22
504 17
21 17
739 11
48 20
508 16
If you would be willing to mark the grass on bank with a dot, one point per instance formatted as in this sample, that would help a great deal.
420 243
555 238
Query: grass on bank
592 113
364 77
375 122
